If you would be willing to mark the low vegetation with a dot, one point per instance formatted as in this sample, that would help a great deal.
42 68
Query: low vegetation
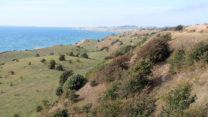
141 75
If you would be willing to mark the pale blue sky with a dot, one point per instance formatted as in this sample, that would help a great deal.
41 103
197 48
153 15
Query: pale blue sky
76 13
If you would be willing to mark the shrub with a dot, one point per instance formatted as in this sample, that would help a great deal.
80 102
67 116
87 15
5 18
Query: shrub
43 60
112 92
142 67
16 115
77 55
178 100
167 36
87 107
62 58
39 108
29 63
73 96
93 83
60 68
75 82
71 54
37 55
179 28
61 113
59 91
52 64
121 62
199 52
135 84
65 76
140 106
177 60
12 72
51 53
84 55
156 50
108 109
122 50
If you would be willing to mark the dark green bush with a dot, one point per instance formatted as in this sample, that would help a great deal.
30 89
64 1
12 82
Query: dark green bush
37 55
156 50
199 52
71 53
12 72
178 100
59 91
179 28
39 108
51 53
84 55
52 64
62 58
29 63
75 82
16 115
86 108
142 67
93 83
63 78
43 60
60 68
61 113
135 84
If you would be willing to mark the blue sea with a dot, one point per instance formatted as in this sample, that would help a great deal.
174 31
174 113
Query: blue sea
21 38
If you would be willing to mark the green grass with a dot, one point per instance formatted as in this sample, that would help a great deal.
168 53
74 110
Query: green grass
33 83
57 50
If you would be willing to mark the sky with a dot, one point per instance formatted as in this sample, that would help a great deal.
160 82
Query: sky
94 13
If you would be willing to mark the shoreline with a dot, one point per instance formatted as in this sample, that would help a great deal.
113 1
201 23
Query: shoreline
75 44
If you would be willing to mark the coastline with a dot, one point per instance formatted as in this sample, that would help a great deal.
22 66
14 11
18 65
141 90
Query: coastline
75 44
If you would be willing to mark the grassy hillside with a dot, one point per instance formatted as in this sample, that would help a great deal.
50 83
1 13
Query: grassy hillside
162 75
146 73
25 81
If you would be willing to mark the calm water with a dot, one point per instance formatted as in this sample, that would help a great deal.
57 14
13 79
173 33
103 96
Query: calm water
20 38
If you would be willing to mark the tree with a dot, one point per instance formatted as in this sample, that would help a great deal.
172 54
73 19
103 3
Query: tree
71 54
43 60
179 28
61 113
59 91
84 55
52 64
62 58
60 68
65 76
75 82
156 50
39 108
178 100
